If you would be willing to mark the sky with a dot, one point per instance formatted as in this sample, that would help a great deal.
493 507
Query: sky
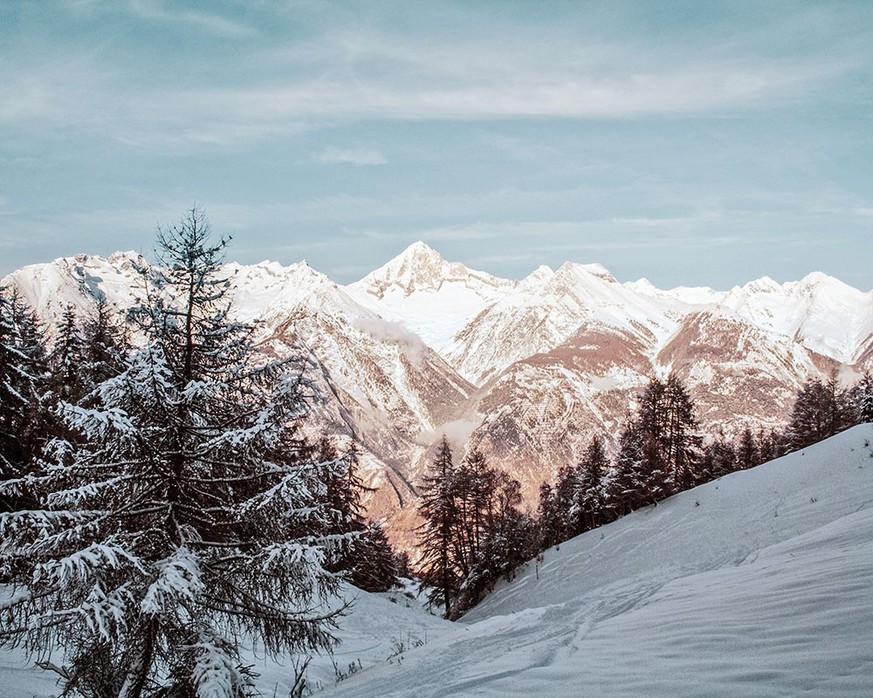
690 143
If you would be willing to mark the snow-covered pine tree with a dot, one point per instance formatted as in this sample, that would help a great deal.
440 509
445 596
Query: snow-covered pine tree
342 498
680 438
106 345
184 518
549 518
820 410
24 419
566 484
67 362
375 564
625 481
863 399
588 499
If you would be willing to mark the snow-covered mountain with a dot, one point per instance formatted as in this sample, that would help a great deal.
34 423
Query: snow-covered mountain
528 369
434 298
756 584
377 382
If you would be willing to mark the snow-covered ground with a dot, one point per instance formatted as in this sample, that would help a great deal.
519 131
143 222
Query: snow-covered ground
758 584
377 628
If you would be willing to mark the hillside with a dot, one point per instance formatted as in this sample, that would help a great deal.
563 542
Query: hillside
756 584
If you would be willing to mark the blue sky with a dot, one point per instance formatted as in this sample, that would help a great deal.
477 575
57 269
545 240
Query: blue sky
692 143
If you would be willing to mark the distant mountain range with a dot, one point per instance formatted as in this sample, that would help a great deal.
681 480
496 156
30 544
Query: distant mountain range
528 370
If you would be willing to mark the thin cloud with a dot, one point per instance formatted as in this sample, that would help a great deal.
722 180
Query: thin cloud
350 156
387 78
221 26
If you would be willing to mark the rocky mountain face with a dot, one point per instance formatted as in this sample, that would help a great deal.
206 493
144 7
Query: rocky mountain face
528 370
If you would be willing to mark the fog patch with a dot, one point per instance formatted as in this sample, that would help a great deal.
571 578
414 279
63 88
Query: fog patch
458 433
393 333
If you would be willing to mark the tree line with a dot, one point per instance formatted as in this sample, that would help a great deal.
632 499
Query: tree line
475 533
158 504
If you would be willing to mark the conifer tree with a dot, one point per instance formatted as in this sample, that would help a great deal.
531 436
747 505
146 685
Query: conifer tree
680 439
24 418
374 566
641 474
479 486
588 498
747 452
549 519
820 410
623 481
185 517
67 361
719 458
437 532
863 399
364 555
770 445
509 539
106 346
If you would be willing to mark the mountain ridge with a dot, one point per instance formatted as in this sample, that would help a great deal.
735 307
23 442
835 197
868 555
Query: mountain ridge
527 369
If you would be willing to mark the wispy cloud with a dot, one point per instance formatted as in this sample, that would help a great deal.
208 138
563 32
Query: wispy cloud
157 11
343 76
350 156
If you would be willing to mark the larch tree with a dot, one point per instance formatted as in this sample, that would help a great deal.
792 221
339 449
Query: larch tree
185 517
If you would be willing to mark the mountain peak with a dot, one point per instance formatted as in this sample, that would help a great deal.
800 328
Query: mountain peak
421 268
418 267
595 270
420 250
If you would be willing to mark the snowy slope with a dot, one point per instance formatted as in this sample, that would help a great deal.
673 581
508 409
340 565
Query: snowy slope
371 632
757 584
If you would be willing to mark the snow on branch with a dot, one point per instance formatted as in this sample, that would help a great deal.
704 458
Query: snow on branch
179 579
